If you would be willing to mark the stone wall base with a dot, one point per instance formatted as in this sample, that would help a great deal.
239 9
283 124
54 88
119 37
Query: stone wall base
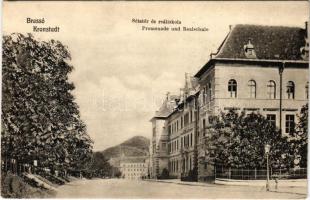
206 179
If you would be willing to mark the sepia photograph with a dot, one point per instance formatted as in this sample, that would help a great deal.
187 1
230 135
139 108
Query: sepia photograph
155 100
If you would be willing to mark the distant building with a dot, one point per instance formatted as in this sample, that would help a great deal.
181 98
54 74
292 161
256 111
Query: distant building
158 145
260 69
134 168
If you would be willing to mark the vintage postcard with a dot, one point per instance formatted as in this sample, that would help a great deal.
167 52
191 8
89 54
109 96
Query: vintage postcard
165 99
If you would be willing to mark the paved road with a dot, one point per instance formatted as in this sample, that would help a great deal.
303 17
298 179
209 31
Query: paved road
120 188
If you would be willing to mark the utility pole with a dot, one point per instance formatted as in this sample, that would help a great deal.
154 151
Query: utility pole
281 69
267 150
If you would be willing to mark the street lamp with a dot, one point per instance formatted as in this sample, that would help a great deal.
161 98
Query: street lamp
267 150
281 69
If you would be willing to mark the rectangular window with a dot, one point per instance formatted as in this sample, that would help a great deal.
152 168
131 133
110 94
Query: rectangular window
164 145
169 130
210 119
191 139
289 123
181 122
204 97
186 119
271 118
175 145
187 140
204 127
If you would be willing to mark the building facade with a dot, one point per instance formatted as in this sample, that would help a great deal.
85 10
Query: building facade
261 69
158 145
134 168
182 127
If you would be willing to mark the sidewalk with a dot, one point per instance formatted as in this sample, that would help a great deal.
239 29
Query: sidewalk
178 181
287 183
297 186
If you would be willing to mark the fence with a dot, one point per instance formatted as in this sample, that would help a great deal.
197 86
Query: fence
259 174
16 167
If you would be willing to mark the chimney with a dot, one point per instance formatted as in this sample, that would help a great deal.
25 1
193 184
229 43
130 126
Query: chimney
230 26
168 95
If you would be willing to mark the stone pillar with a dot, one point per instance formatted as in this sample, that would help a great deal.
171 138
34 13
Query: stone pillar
206 172
209 173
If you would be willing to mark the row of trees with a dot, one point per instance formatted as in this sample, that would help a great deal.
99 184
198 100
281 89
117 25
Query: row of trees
299 138
238 140
40 120
100 167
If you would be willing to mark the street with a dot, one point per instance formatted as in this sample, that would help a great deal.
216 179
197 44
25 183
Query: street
120 188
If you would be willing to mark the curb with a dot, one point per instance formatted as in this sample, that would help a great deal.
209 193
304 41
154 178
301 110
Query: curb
182 183
217 182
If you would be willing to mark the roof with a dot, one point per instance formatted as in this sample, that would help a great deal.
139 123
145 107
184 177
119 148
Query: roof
271 44
167 107
133 159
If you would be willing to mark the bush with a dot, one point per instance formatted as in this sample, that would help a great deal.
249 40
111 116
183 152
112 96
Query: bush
192 176
164 174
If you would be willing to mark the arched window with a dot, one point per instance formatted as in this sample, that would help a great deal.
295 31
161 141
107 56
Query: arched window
252 88
290 90
307 90
271 89
232 88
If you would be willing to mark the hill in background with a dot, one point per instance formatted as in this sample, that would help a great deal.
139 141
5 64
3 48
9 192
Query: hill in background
135 146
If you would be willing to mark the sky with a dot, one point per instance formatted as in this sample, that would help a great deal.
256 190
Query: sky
122 73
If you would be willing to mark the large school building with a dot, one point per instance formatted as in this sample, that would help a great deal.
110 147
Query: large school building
256 69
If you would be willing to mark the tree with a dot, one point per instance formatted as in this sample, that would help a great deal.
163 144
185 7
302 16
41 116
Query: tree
238 140
40 120
100 166
164 174
117 172
299 138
